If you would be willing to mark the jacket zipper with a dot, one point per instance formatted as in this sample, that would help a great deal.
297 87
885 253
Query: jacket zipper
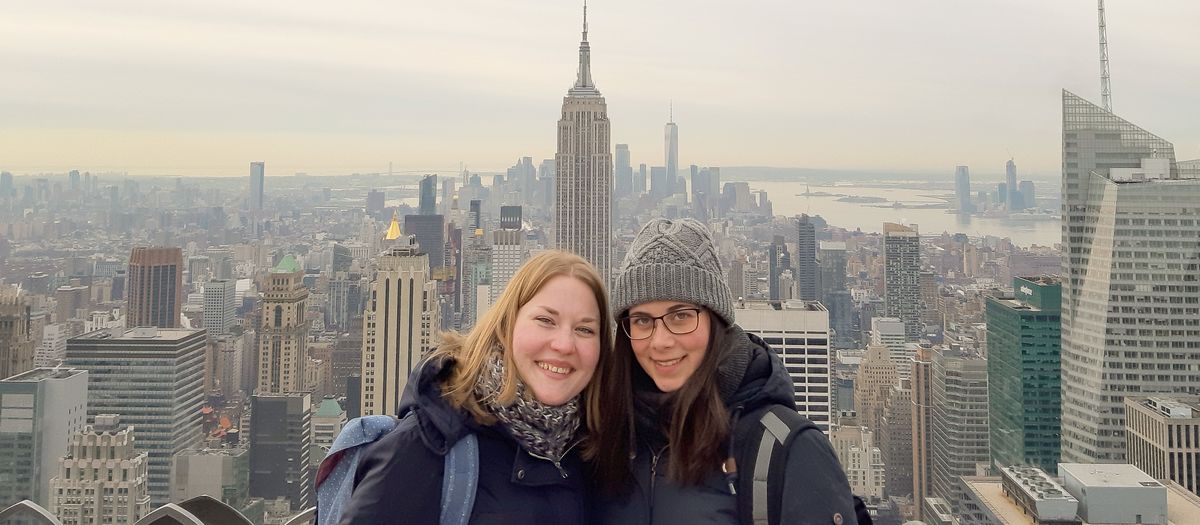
654 474
557 464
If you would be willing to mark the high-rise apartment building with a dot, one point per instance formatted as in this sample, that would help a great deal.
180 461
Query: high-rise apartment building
509 251
103 478
155 283
1163 437
154 379
399 325
257 184
219 306
283 330
1024 369
962 189
807 271
890 333
39 411
959 429
280 443
427 199
799 331
624 171
901 276
862 461
876 377
582 210
16 337
1131 301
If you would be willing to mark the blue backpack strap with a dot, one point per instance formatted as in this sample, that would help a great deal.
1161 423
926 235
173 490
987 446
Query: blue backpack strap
459 481
336 473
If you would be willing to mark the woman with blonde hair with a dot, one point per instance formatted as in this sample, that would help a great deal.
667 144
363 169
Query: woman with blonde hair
515 382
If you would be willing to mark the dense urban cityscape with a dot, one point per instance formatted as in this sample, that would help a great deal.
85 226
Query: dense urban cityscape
188 348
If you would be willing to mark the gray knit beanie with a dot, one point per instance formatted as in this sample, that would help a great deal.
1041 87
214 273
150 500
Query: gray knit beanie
673 261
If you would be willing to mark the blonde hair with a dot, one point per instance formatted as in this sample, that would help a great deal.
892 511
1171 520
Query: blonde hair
472 351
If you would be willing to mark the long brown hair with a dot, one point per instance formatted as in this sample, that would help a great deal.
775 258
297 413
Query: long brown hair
471 352
697 427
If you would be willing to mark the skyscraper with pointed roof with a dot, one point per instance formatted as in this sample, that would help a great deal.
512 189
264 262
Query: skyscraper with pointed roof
671 151
283 331
583 191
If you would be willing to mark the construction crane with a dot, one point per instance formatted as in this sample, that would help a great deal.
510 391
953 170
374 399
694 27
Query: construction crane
1105 90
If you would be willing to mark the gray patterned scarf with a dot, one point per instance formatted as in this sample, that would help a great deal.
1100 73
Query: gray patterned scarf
542 429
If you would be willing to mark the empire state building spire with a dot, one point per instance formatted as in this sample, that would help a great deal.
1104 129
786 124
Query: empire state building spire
583 79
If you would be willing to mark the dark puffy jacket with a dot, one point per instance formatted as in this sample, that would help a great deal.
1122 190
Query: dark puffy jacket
399 478
815 487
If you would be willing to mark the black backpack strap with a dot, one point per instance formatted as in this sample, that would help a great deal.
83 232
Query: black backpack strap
764 436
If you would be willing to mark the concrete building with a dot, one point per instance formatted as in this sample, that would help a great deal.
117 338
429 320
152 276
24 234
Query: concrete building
860 458
39 411
1024 369
223 473
1118 493
891 333
896 442
1130 303
1163 434
959 429
155 283
327 421
799 331
922 420
583 202
509 251
872 385
103 478
17 340
54 345
219 306
280 443
153 378
399 325
283 330
71 302
901 276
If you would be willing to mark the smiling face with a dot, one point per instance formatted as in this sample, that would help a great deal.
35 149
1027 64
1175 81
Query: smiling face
556 340
670 359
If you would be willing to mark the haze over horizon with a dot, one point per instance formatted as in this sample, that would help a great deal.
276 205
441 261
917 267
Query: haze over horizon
137 86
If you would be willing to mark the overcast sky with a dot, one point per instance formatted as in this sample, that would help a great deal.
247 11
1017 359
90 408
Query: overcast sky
916 85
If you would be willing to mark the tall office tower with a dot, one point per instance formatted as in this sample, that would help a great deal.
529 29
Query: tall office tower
376 202
219 306
477 279
583 212
103 478
962 189
16 332
1164 437
280 442
1023 360
959 430
153 378
229 353
430 234
475 215
427 199
834 295
6 184
778 260
861 459
508 250
671 153
1013 199
39 410
1130 296
658 182
800 333
283 330
639 182
257 185
1027 194
73 180
399 324
922 420
807 271
448 199
624 171
345 299
902 275
889 332
931 313
896 442
155 285
874 381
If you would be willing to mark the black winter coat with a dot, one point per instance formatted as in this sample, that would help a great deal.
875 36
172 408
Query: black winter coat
815 489
399 479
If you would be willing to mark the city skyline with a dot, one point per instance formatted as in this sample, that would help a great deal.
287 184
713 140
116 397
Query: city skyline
350 94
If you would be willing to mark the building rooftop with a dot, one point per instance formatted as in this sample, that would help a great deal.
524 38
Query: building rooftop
329 407
288 264
1183 507
1107 475
141 333
39 374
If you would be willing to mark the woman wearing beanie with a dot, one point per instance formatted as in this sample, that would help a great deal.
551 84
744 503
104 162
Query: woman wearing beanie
686 397
515 382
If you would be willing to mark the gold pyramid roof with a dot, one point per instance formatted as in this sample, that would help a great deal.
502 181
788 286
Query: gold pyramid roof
393 231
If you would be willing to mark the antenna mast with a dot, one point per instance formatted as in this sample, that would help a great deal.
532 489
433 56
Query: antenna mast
1105 90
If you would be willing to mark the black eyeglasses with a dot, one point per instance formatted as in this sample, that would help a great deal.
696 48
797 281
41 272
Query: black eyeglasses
679 322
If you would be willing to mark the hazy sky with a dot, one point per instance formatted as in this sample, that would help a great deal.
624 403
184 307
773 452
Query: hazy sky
207 87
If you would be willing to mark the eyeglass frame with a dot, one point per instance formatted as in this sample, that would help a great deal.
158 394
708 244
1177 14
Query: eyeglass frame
655 319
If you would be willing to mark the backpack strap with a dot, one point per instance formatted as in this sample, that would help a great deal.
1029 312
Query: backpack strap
460 479
763 437
774 437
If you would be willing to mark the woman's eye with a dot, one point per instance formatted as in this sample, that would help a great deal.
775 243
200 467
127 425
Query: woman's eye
586 330
684 315
640 321
544 320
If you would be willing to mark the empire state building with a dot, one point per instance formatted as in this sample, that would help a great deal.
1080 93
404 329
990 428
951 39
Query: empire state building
582 205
